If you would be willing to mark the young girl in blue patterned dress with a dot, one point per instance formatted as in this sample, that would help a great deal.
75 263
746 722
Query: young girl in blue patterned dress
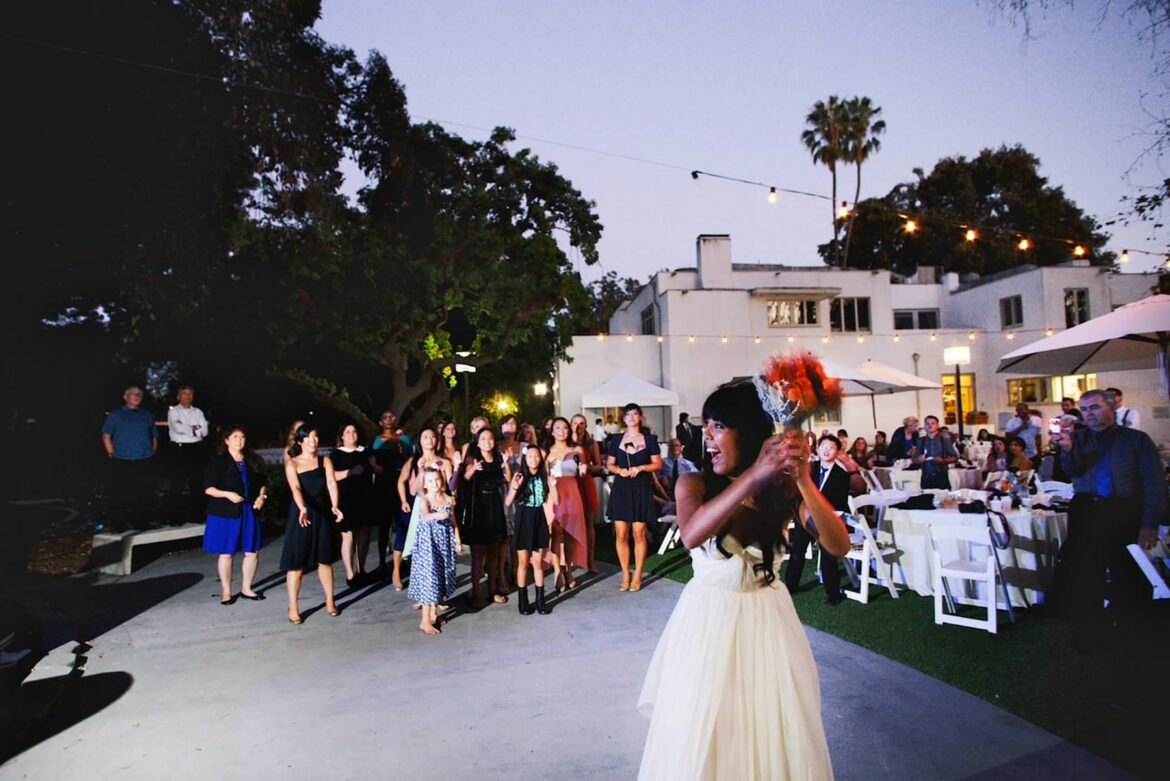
436 542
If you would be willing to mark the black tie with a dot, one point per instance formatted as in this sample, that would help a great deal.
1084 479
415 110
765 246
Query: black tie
674 471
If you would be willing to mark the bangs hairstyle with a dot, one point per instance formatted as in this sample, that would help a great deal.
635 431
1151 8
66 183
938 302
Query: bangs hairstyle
525 489
299 436
430 470
737 406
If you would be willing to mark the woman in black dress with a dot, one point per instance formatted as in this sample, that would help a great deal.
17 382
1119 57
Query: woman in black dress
308 534
481 512
633 455
352 468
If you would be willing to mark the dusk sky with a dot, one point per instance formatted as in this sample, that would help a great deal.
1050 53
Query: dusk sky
724 87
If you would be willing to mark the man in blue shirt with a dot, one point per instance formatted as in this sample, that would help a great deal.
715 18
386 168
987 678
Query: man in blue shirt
1120 498
130 439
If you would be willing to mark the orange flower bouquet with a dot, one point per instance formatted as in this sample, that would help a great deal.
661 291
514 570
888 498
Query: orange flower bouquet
793 386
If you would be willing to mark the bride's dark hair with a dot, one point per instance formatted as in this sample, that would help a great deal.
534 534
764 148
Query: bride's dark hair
737 406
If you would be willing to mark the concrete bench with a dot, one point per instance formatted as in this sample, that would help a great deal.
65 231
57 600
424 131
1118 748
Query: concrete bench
112 552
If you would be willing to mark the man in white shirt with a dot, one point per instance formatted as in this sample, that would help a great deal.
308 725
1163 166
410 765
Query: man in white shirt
187 429
1124 416
1024 427
598 432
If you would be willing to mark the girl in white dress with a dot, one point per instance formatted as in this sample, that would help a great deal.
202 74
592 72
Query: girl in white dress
732 691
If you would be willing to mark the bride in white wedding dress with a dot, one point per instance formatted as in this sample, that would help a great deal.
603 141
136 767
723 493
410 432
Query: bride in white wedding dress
732 691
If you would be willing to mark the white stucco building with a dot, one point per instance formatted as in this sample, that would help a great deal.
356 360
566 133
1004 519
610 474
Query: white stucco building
690 329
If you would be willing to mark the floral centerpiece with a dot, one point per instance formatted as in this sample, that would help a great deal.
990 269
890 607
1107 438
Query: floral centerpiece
1009 484
793 387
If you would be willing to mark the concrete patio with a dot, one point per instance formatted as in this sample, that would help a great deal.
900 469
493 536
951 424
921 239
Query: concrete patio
176 685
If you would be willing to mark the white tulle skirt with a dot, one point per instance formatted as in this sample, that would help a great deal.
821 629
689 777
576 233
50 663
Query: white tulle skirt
732 691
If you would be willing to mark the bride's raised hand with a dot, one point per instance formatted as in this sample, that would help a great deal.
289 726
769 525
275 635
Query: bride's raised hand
781 456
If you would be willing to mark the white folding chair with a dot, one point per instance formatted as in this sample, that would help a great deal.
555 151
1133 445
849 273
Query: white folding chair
871 480
672 537
868 559
963 568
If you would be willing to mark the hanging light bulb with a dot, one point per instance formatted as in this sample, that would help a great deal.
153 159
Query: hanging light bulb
1079 251
933 336
791 338
1024 245
691 338
1124 258
970 235
910 226
601 337
824 340
897 337
1011 334
844 212
757 340
660 339
971 335
723 339
629 337
771 195
1048 332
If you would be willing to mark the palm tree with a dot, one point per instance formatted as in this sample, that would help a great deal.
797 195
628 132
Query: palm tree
822 138
859 141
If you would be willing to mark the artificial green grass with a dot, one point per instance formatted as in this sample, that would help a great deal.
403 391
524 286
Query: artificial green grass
1105 698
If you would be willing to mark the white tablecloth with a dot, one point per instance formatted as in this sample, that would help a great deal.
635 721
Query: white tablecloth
1028 564
965 478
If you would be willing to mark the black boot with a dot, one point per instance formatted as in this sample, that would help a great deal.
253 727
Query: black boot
525 608
541 607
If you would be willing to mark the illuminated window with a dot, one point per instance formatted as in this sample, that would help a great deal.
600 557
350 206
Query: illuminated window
1048 390
788 312
967 385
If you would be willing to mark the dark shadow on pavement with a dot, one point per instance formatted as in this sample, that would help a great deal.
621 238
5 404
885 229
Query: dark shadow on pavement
52 705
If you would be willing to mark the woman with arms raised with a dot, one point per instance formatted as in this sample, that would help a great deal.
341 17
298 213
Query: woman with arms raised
732 690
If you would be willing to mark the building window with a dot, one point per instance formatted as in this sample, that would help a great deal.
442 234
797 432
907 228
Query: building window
967 387
915 319
787 312
1048 390
1076 306
849 314
1011 312
648 321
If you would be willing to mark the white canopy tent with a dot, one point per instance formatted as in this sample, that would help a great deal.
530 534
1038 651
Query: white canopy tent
625 388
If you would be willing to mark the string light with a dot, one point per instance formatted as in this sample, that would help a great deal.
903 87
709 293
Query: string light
601 337
791 339
933 336
897 337
1048 332
1079 251
971 335
1124 257
771 195
723 339
757 340
660 339
970 235
1011 334
691 338
1024 245
629 337
910 226
860 338
843 212
824 340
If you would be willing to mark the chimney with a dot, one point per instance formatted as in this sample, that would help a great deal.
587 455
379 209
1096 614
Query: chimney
714 260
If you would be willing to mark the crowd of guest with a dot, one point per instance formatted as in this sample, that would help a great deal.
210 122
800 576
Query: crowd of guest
524 499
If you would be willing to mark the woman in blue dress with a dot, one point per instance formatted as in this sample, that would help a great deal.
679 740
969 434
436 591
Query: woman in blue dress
235 484
632 456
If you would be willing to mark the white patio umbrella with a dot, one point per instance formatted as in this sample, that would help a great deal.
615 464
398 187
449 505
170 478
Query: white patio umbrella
903 381
1135 336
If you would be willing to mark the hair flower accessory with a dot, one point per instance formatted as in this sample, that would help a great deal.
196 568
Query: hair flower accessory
793 386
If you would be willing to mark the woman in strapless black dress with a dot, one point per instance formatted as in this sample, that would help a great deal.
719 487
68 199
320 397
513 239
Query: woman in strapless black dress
309 532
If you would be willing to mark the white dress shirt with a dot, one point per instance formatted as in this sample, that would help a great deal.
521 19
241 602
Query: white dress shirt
186 425
1128 417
